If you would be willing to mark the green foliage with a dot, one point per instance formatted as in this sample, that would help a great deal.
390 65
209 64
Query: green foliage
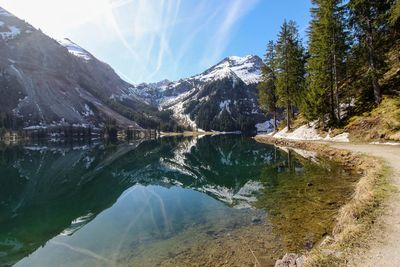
189 107
352 55
205 115
369 20
328 47
144 115
210 115
267 88
226 122
290 68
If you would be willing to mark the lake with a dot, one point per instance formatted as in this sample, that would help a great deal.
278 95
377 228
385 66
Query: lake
178 201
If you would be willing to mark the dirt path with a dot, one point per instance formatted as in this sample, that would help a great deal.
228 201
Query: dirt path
385 247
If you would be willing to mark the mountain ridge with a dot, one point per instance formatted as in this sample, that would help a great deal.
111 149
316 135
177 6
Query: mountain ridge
59 83
236 73
50 82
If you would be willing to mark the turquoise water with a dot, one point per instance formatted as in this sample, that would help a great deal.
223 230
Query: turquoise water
166 202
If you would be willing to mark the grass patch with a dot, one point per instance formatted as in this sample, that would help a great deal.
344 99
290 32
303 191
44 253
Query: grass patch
380 124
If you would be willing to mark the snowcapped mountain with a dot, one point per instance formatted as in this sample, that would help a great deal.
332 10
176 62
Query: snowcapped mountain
55 82
45 82
224 97
247 68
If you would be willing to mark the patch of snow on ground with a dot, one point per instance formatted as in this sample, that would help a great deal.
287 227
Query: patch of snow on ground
11 33
385 143
168 101
344 137
218 73
17 71
304 132
309 133
183 118
4 13
1 23
266 127
344 107
225 105
88 112
75 49
245 75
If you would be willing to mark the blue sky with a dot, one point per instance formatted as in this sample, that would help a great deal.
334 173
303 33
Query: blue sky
151 40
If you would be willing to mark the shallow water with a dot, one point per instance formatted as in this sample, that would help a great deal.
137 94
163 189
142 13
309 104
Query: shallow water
223 200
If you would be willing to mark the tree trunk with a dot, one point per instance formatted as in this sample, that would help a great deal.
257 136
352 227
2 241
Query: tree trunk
372 66
288 115
375 83
332 104
292 111
336 87
275 126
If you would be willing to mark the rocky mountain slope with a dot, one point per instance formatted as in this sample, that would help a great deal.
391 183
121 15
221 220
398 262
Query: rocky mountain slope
49 82
222 98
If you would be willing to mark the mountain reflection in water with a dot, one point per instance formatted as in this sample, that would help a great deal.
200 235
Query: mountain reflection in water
110 204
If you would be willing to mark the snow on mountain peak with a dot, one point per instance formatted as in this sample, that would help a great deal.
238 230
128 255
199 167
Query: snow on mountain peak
10 33
241 60
8 29
75 49
4 13
247 68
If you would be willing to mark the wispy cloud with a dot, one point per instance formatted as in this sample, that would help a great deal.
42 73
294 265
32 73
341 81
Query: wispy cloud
146 40
234 11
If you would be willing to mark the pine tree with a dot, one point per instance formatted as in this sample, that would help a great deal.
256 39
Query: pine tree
290 69
267 87
328 47
369 19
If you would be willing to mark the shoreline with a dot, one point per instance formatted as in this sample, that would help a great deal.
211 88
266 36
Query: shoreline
356 218
189 133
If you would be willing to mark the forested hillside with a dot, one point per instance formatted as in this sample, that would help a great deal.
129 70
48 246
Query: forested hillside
350 64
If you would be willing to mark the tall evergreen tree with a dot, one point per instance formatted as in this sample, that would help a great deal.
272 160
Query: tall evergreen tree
267 87
370 21
326 64
290 69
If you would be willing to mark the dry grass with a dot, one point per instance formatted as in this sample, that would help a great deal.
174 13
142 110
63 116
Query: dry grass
296 122
382 123
356 218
